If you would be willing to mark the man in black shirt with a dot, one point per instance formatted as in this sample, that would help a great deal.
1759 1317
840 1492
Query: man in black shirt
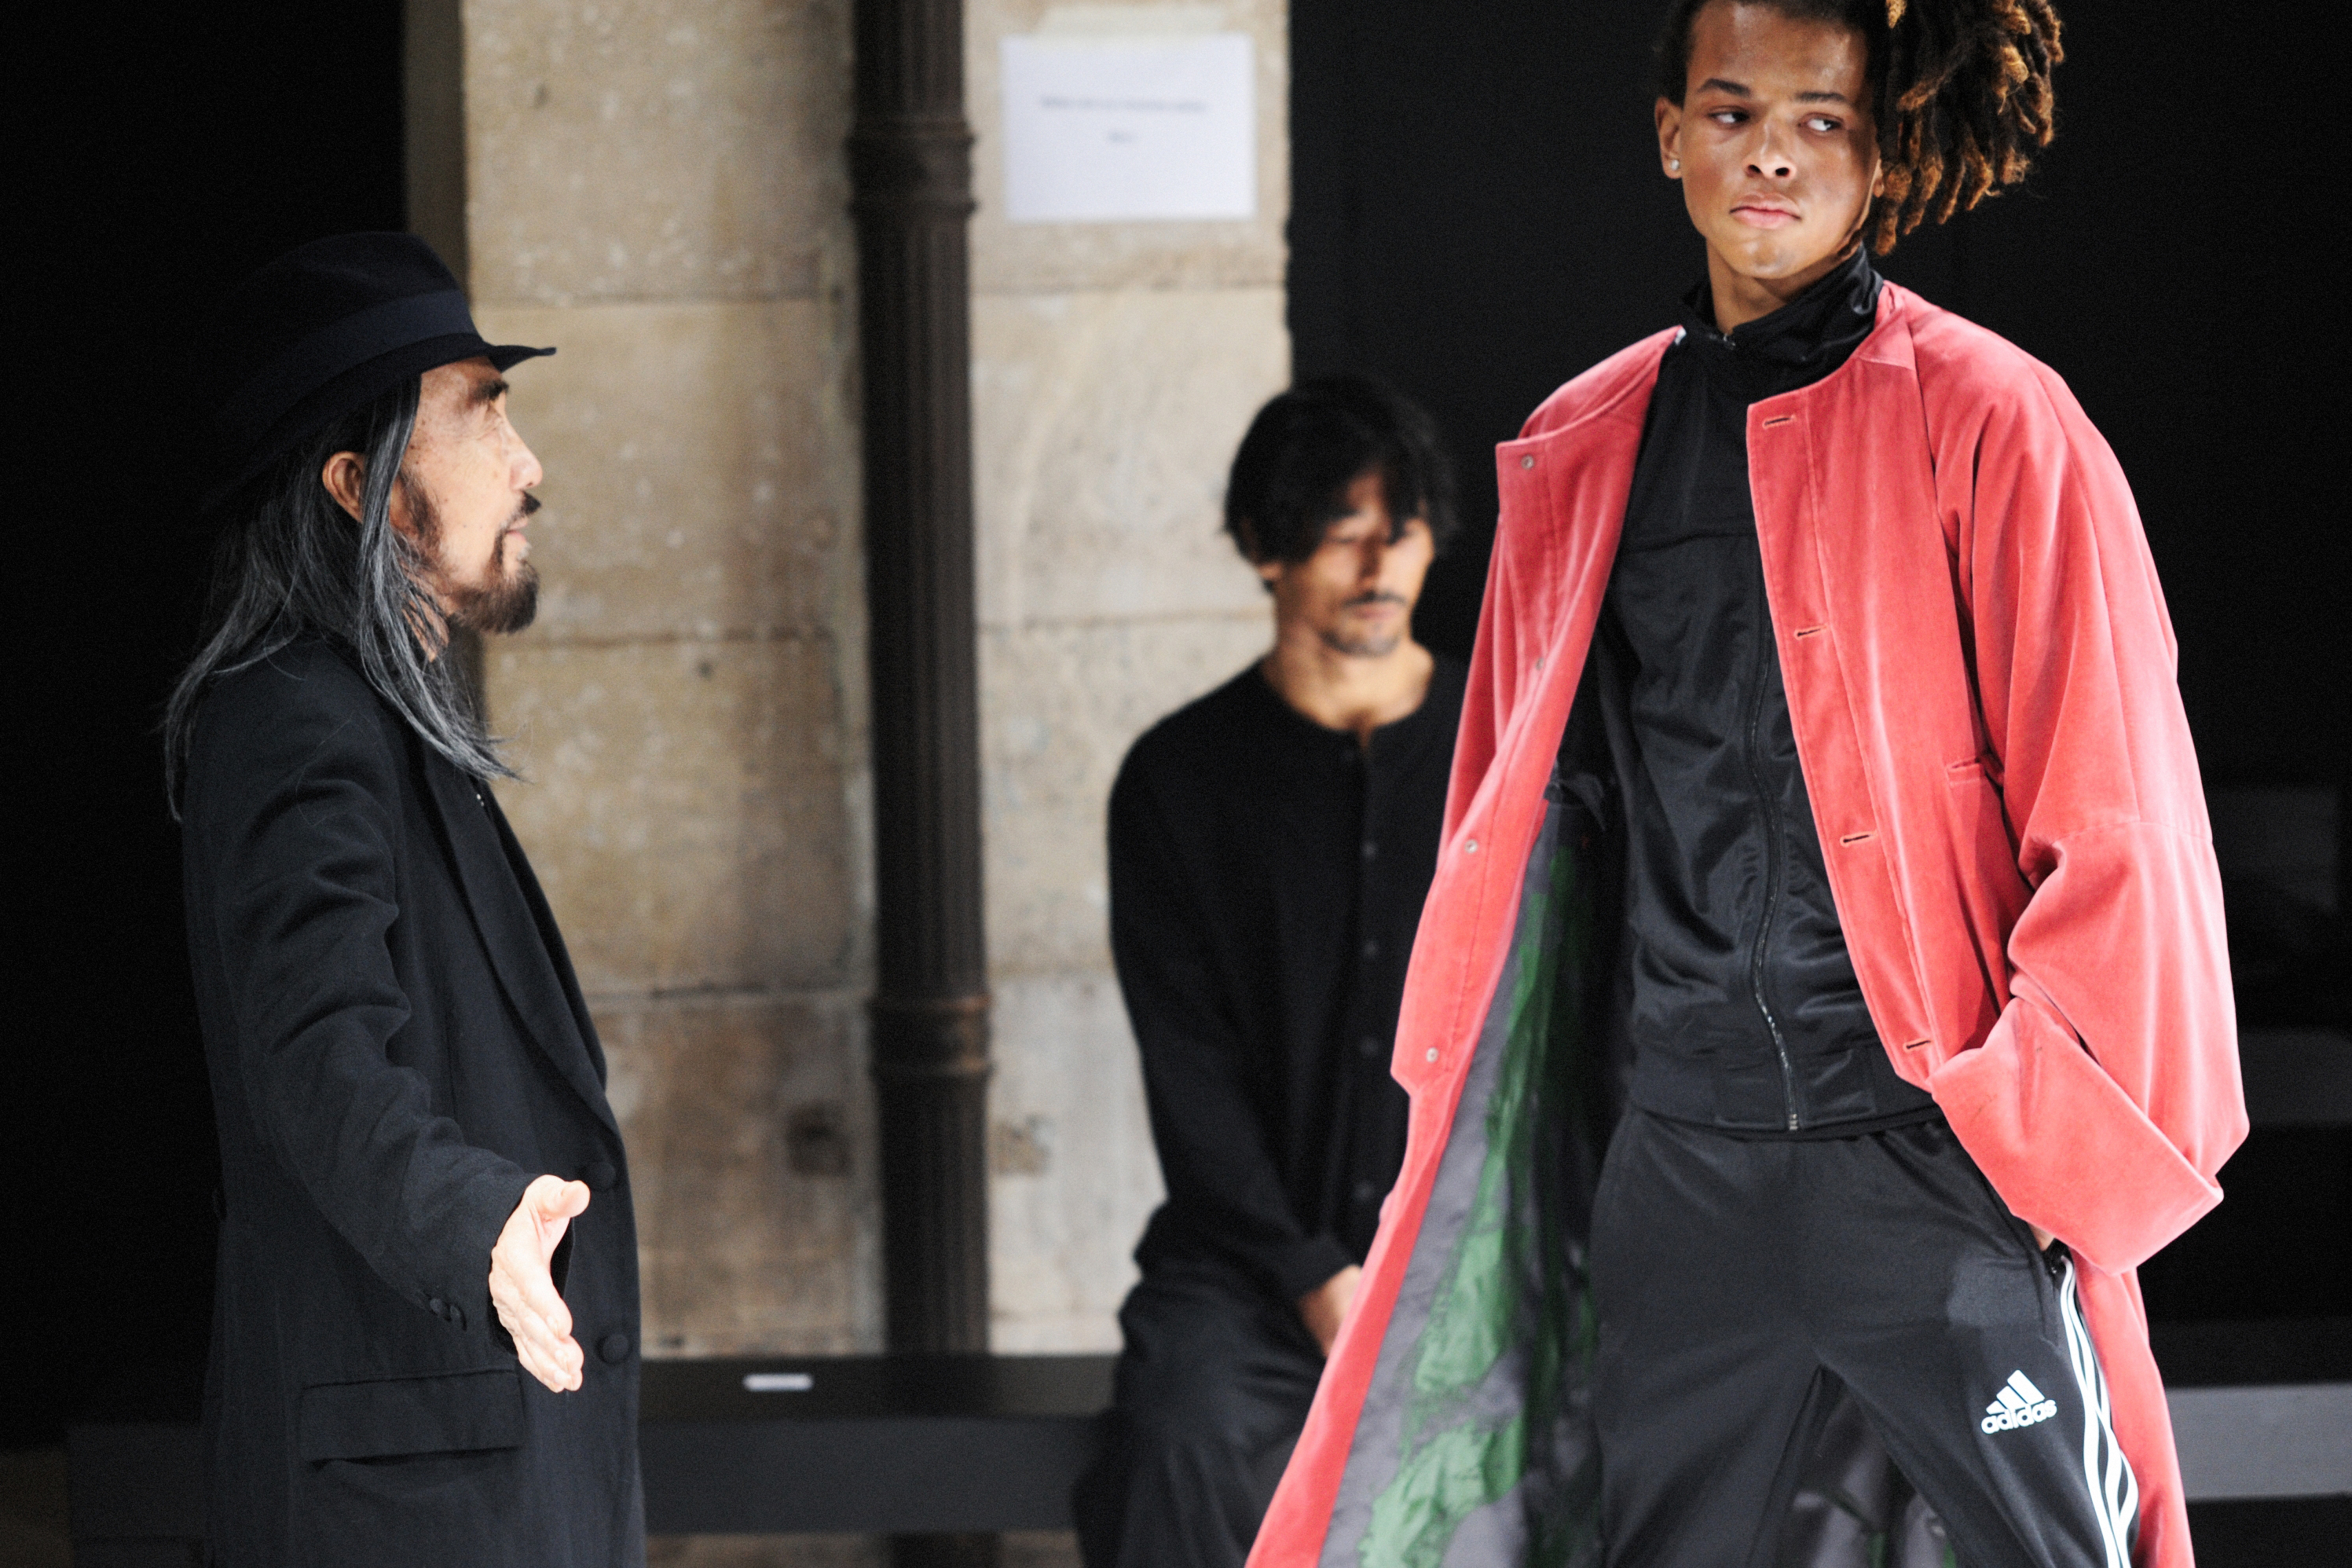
1271 845
424 1192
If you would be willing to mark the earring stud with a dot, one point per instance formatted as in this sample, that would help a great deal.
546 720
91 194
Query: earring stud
1673 163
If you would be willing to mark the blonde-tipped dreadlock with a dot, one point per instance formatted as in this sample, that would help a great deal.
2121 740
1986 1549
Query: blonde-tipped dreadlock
1961 95
1963 105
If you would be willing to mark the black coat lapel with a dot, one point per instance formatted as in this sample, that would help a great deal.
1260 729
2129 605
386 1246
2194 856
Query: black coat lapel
551 937
527 953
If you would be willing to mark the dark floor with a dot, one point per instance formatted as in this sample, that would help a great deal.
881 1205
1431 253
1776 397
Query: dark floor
2267 1534
33 1509
2273 1534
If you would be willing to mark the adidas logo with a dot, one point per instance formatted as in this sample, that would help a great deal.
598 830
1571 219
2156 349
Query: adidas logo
2020 1405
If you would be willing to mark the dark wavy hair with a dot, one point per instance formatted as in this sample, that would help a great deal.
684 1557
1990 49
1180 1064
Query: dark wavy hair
1960 91
1305 447
290 562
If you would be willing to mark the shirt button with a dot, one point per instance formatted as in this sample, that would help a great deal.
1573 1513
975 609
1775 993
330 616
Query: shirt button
599 1175
1368 1047
1429 1055
1471 847
1366 1192
1526 462
613 1348
433 1304
1371 849
1372 947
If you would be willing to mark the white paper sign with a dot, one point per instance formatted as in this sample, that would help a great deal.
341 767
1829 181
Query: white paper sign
1120 130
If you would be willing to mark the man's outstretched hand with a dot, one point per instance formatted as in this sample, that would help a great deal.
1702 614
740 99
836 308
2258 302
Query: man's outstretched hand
523 1291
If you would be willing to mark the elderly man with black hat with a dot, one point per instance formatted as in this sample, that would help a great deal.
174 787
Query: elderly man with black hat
425 1202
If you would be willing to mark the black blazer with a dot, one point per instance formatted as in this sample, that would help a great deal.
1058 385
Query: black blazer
397 1047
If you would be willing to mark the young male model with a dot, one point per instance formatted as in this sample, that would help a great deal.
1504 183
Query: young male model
425 1331
1270 847
1826 837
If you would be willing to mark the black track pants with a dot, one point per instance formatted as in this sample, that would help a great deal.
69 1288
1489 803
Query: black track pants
1211 1393
1748 1288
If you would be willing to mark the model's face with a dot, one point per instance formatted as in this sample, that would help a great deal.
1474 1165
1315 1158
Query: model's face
1775 148
463 499
1357 591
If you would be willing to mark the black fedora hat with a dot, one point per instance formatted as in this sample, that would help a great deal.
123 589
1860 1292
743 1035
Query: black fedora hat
326 329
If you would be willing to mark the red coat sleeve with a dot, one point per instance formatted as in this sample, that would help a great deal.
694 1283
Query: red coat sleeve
2106 1096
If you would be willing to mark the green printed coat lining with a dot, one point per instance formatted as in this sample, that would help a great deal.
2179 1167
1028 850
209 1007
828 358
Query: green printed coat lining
1491 1435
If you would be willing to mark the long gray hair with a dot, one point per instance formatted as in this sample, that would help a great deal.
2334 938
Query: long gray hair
293 564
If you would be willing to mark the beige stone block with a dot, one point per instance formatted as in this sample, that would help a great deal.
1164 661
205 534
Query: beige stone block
686 807
741 1252
1026 257
1061 1234
701 466
1103 427
1059 706
657 152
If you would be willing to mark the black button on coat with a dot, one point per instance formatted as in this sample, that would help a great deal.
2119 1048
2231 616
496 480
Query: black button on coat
397 1047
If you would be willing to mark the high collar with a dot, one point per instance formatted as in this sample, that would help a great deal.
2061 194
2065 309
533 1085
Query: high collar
1803 341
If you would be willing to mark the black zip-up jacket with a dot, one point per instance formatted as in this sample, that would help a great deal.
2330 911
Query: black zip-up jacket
1739 999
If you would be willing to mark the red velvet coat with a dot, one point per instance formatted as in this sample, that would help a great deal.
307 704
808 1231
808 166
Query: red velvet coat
1981 676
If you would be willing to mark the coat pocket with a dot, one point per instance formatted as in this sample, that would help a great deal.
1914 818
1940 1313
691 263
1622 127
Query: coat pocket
446 1412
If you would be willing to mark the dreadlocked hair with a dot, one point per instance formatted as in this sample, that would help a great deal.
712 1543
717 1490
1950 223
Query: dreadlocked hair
1960 91
1968 106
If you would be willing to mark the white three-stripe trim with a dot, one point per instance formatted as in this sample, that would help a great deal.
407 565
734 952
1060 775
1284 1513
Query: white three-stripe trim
2115 1490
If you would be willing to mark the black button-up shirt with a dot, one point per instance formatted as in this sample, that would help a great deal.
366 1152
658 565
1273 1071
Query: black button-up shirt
1267 875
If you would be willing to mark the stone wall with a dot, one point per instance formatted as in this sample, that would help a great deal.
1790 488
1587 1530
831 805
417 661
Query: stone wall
660 189
1115 367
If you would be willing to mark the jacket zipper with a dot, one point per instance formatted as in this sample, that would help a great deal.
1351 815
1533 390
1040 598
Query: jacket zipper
1771 873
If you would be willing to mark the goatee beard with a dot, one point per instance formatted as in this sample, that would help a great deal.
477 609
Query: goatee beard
507 604
1379 644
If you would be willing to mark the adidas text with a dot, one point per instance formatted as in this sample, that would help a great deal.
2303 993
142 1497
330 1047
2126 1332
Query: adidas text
2020 1405
2010 1420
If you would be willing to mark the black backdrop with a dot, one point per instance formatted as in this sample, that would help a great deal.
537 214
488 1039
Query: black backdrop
162 152
1477 215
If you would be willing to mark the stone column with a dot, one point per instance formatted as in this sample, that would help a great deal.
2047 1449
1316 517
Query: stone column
1115 366
663 190
660 190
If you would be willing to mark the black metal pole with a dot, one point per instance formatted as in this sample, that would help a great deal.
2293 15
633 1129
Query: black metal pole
910 173
910 167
